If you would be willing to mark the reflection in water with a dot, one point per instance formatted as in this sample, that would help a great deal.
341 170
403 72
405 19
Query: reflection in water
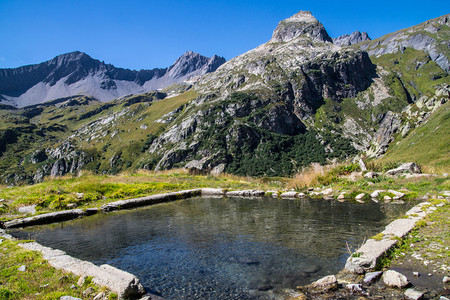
222 248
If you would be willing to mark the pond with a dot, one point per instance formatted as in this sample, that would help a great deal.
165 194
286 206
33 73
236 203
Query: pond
222 248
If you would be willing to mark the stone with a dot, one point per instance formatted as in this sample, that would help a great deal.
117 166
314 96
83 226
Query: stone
354 288
362 165
289 195
22 268
360 196
341 196
446 280
371 277
301 195
328 191
417 274
81 280
395 279
413 294
387 198
412 168
31 209
99 296
69 298
396 194
325 284
73 287
371 175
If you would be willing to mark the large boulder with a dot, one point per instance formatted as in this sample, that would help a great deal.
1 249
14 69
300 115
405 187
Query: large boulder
395 279
411 167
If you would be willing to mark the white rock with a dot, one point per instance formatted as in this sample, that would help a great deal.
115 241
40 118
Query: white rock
360 196
446 279
328 191
341 196
387 198
396 194
69 298
371 277
395 279
81 280
413 294
326 283
289 195
417 274
99 296
22 268
375 194
301 195
354 288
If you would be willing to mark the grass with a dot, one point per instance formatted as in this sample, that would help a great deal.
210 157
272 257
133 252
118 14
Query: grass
91 190
426 145
433 230
39 280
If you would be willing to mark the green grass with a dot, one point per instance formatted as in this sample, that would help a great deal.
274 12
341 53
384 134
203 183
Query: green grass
39 281
428 145
91 190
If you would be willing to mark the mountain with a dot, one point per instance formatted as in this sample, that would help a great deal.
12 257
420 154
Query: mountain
76 73
354 38
297 99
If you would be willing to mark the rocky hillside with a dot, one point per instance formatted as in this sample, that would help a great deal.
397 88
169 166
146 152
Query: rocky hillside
297 99
77 73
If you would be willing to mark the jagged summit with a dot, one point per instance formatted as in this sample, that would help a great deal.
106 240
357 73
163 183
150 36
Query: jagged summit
302 23
354 38
76 73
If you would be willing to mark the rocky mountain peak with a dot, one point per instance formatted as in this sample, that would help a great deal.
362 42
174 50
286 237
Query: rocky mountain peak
194 64
302 23
354 38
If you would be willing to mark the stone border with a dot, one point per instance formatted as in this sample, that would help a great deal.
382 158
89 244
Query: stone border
66 215
126 285
369 254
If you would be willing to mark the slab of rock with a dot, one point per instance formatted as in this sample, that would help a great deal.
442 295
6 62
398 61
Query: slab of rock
45 218
413 294
212 192
405 168
68 298
289 195
371 277
123 283
387 198
246 193
394 279
148 200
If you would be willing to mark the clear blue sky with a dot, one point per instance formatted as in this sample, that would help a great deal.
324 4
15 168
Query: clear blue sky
140 34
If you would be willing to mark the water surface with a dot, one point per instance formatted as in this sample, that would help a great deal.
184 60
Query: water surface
222 248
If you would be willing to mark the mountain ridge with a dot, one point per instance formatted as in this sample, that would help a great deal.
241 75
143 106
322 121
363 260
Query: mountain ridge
77 73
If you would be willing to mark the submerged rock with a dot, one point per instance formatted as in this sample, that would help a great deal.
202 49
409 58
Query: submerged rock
395 279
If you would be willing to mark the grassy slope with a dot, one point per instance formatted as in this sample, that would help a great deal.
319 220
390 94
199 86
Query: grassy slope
427 145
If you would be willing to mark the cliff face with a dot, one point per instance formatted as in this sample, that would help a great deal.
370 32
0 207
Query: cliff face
77 73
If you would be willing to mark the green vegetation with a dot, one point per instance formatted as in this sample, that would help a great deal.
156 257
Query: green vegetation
429 238
91 190
426 145
39 280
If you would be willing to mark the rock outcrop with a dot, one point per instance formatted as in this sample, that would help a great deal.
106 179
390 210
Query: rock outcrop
354 38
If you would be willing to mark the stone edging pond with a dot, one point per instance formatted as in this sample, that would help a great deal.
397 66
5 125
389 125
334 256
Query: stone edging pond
128 286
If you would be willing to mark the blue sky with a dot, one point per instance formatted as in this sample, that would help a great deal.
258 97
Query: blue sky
139 34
